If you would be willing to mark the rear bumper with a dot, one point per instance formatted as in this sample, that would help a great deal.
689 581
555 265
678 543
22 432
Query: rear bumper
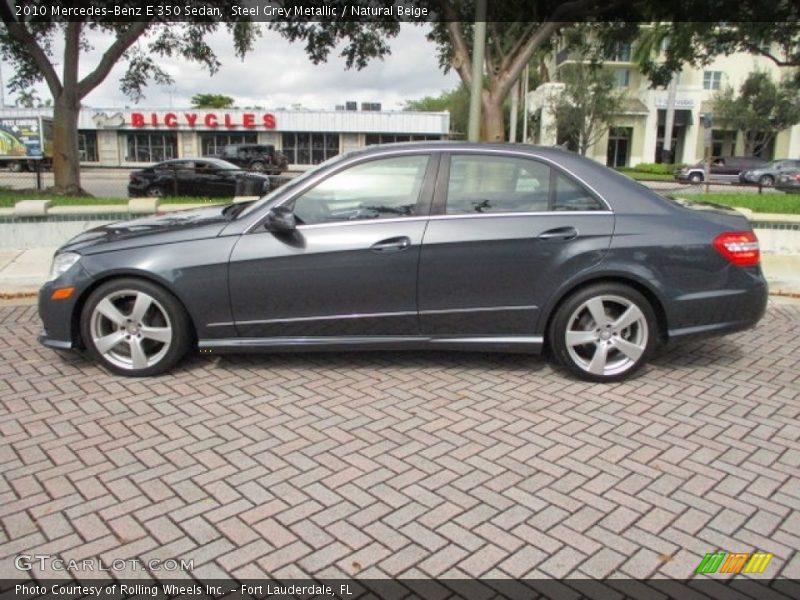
719 312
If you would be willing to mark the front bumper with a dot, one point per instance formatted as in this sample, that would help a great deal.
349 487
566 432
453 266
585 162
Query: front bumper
59 317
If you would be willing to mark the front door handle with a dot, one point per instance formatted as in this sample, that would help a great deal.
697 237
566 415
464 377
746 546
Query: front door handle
559 233
395 244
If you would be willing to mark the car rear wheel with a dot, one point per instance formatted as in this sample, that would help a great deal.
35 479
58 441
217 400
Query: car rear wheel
154 191
766 180
134 328
604 332
696 178
258 166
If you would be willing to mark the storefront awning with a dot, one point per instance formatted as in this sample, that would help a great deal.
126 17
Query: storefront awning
683 117
633 106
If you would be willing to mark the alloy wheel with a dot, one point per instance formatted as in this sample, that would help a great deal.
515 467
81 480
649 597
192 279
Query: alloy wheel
131 329
606 335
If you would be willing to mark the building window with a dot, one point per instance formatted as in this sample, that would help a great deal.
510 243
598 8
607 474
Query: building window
619 52
310 148
392 138
87 146
712 80
622 78
211 144
619 144
151 147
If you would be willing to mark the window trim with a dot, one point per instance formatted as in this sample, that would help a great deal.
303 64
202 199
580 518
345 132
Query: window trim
439 208
424 200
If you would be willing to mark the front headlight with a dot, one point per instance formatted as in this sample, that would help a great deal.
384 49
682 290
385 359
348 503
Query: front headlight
62 263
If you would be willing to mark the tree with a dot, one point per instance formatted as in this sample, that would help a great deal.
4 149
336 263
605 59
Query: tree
28 43
760 110
211 101
27 99
516 30
455 101
664 48
586 106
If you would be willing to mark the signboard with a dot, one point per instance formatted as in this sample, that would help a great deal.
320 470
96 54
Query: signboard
210 120
21 136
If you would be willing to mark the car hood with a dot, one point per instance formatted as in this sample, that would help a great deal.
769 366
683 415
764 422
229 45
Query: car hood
175 226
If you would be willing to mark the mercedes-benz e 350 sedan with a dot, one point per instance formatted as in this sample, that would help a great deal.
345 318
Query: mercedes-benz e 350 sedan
451 246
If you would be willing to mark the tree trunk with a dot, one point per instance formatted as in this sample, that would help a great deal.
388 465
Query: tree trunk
66 167
493 122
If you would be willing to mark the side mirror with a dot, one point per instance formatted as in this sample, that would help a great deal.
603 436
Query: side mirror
281 219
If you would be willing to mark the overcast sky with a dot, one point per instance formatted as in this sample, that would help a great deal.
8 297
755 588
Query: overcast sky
278 74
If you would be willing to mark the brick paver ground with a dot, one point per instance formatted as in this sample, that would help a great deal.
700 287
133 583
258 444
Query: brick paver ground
416 464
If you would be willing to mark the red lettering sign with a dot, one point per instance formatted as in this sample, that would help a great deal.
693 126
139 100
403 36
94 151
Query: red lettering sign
174 120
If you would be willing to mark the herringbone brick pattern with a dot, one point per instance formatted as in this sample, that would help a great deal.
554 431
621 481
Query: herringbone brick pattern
414 465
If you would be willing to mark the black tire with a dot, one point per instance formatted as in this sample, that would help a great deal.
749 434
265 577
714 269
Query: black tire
15 166
157 338
696 178
618 351
258 166
766 181
154 191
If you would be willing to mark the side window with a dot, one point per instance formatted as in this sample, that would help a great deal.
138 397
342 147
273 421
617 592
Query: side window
496 184
380 189
571 196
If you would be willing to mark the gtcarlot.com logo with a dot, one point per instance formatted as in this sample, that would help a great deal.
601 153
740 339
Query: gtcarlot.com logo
734 563
48 562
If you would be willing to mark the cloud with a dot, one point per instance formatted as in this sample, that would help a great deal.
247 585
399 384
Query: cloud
279 74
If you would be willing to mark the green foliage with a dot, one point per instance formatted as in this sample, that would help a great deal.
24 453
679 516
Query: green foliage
456 101
657 168
212 101
761 109
776 203
586 106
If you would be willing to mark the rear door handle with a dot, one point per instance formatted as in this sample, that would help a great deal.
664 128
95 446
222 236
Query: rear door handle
560 233
395 244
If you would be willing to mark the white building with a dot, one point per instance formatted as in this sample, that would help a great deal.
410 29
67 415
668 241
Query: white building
132 138
637 133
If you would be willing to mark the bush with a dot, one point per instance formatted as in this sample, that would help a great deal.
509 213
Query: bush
657 168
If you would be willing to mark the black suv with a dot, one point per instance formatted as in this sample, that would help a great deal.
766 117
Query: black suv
263 158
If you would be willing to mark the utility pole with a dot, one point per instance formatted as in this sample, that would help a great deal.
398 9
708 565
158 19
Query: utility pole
512 130
525 107
478 46
669 121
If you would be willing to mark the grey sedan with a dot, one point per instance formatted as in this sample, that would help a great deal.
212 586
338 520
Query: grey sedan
768 174
449 246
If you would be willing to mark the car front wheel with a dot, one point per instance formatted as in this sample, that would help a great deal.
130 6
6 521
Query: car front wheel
696 178
134 328
603 332
766 181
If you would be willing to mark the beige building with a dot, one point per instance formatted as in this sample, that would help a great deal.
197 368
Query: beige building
637 133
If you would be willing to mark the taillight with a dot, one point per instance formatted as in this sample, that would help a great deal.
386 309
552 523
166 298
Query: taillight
739 247
797 177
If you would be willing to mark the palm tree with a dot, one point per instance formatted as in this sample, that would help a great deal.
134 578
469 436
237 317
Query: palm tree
27 99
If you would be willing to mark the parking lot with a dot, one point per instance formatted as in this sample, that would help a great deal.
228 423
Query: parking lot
412 465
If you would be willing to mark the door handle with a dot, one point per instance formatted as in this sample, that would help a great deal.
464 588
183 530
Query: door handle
395 244
559 233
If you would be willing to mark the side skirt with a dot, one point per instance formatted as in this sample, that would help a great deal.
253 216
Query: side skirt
525 344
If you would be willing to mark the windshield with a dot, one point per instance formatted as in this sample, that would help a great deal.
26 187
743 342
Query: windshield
288 187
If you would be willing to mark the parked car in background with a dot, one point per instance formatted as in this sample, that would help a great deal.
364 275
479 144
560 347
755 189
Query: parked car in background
450 246
263 158
207 177
723 169
788 181
768 174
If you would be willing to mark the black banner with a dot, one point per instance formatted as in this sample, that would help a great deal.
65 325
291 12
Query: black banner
404 589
